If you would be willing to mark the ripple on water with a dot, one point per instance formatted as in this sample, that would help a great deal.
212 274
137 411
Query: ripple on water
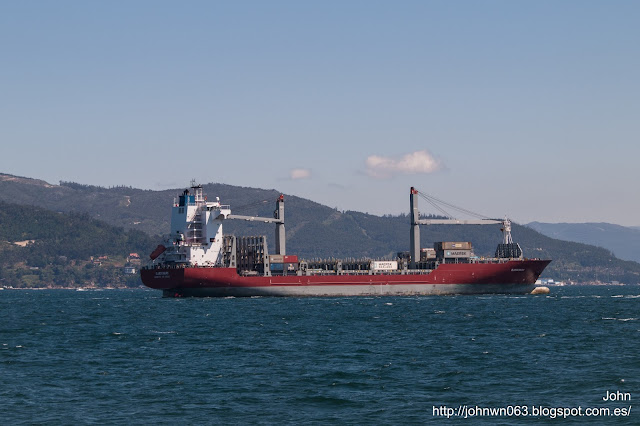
71 357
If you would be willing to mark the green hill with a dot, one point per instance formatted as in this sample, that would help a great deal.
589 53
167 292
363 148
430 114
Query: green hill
41 248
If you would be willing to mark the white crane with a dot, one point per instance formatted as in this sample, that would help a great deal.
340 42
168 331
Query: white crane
416 222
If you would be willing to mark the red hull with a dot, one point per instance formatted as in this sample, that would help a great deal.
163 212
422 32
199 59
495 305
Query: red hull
512 276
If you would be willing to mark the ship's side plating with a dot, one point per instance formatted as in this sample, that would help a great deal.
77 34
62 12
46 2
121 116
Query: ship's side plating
512 276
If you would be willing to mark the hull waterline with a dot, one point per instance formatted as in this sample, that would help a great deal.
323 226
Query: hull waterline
512 277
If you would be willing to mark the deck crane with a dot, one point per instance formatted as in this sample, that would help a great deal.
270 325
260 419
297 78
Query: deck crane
505 250
278 219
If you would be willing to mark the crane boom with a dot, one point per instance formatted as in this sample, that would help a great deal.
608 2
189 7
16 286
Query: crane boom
416 222
254 218
278 219
459 222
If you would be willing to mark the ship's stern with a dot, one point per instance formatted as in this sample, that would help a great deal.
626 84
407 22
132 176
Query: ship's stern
162 278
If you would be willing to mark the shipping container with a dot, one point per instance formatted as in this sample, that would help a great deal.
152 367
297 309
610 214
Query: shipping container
276 258
452 245
384 265
276 267
427 253
279 258
456 253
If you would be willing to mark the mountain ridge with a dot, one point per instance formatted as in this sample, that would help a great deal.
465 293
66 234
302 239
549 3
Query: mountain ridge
623 241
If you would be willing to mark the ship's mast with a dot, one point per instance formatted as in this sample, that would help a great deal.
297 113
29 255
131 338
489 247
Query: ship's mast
415 229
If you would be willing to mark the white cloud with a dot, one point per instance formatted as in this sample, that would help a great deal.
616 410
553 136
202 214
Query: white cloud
419 162
296 174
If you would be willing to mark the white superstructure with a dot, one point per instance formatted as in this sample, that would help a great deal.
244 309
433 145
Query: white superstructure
196 229
196 236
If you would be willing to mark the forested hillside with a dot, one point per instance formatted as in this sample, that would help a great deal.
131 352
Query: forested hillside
40 248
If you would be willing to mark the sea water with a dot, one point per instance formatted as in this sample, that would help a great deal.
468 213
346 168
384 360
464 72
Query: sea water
132 357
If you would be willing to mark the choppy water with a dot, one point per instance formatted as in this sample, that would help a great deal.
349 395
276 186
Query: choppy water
117 356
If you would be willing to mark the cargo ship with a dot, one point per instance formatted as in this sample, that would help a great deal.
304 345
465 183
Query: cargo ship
198 259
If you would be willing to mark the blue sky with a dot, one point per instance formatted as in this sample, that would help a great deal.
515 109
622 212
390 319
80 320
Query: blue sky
526 109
